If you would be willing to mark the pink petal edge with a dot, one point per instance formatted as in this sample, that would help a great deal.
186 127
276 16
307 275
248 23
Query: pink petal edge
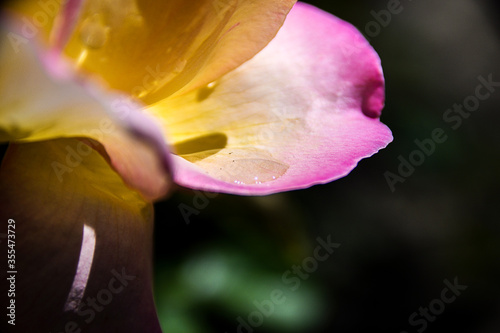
339 139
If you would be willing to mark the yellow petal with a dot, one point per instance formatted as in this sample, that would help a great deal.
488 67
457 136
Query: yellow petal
153 49
41 99
37 17
72 239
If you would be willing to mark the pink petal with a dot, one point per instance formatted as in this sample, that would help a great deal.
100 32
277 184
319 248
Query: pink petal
303 111
65 23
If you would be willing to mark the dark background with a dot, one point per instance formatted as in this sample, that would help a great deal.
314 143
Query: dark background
397 247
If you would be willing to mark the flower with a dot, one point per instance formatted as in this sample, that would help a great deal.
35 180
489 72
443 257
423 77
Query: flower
106 105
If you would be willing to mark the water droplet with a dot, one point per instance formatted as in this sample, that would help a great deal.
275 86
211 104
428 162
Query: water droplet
247 166
253 171
94 33
206 91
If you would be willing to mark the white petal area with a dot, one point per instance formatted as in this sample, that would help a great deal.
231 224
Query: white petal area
41 98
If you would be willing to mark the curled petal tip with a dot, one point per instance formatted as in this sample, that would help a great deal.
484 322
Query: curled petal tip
373 101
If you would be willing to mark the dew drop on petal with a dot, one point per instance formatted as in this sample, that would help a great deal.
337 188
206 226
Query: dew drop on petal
94 33
253 171
241 166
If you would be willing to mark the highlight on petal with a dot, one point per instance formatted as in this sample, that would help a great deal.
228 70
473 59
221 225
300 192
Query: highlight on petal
85 260
152 49
42 98
303 111
83 246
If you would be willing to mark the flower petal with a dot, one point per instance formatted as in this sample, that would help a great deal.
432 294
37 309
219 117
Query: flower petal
83 247
41 98
65 23
303 111
152 49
